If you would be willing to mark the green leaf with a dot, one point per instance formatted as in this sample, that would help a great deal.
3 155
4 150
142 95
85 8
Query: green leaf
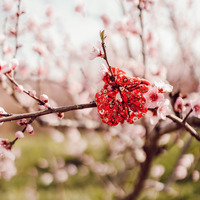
102 36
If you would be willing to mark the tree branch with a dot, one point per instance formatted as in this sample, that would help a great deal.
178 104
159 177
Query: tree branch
12 80
142 37
185 125
46 112
17 28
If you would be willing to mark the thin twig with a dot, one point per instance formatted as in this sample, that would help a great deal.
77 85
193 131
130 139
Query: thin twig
4 32
5 114
17 29
49 111
186 117
12 80
185 125
142 37
106 59
24 129
127 42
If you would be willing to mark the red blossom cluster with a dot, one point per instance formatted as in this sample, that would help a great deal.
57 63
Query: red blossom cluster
121 98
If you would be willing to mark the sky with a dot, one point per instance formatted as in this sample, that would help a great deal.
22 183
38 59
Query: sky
81 29
85 30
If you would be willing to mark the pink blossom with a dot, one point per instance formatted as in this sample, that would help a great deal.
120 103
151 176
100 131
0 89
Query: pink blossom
61 175
7 157
186 160
157 113
22 122
44 98
19 134
29 129
157 171
195 175
106 20
71 169
101 72
153 98
80 9
5 143
96 52
4 67
43 163
163 87
164 139
46 178
179 105
164 109
140 155
180 172
152 115
196 108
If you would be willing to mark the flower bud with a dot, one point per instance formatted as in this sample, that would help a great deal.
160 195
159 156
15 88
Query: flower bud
60 115
19 134
29 129
22 122
44 98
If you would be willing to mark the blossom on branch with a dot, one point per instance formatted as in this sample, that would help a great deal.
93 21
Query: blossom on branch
7 67
96 52
19 134
121 99
101 73
179 105
196 108
154 98
22 122
163 87
44 98
156 102
7 167
159 112
29 129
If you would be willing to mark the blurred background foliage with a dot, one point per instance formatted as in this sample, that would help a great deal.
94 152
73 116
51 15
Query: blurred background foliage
47 171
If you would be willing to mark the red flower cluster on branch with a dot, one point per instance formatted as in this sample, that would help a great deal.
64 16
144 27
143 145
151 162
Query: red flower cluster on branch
121 98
